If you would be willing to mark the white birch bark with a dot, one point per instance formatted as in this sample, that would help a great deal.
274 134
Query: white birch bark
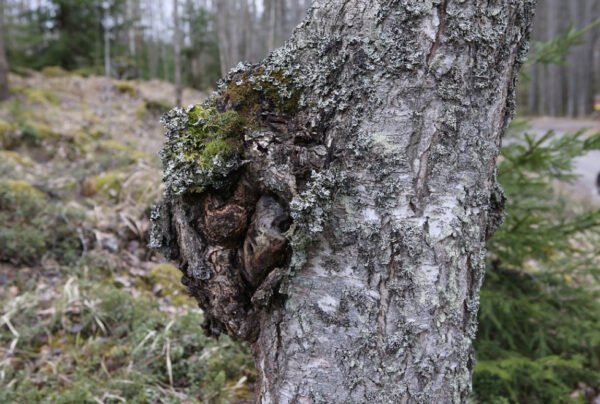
403 106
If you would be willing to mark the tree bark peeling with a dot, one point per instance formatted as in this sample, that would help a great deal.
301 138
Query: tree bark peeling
375 129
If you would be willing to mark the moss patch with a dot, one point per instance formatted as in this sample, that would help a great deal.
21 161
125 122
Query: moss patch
126 87
168 279
253 93
20 196
107 185
54 71
203 146
33 227
40 96
6 131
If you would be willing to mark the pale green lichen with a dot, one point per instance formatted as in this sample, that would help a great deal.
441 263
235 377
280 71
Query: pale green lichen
309 211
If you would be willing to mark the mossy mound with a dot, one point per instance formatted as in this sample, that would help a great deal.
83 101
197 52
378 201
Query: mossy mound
20 196
41 96
33 226
6 134
168 279
127 88
53 71
107 185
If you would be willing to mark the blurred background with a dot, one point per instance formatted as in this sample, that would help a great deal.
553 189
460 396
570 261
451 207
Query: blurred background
89 314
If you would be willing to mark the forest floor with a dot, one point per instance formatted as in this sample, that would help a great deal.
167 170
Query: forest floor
87 312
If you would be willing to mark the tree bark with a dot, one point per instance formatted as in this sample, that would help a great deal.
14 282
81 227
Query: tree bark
346 240
4 90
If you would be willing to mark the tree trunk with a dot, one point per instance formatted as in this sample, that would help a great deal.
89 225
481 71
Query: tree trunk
4 91
177 48
342 234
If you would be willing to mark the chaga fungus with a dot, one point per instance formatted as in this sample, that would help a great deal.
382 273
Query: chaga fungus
231 168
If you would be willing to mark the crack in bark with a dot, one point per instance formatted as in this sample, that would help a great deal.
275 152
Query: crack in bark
384 300
438 37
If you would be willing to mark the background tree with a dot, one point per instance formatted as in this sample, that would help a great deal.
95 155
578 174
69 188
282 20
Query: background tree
4 93
568 88
348 248
177 47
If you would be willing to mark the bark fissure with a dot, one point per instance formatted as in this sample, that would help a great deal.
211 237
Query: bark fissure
385 298
441 15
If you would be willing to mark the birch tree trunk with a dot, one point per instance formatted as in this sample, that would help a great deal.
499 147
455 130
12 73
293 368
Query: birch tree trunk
341 229
177 49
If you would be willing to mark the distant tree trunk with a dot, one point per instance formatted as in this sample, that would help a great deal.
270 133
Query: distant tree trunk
223 27
177 48
4 91
131 19
346 243
153 48
554 71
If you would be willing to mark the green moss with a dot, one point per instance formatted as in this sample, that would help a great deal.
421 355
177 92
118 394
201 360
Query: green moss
126 87
15 158
5 127
21 244
6 132
269 92
53 71
218 148
40 96
34 133
107 185
158 106
33 227
168 278
20 196
204 146
86 71
212 135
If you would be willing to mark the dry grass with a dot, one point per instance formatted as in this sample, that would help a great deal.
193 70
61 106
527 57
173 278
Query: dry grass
100 319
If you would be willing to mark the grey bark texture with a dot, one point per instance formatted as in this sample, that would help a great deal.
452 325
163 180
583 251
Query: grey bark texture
345 241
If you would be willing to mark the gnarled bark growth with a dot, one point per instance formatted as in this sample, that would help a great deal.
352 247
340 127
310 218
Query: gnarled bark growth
331 205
